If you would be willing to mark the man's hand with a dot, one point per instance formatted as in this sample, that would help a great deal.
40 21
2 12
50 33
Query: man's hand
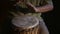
42 9
31 7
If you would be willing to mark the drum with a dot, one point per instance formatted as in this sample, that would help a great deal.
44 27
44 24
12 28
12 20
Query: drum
25 25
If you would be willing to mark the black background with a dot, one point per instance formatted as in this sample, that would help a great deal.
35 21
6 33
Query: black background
52 18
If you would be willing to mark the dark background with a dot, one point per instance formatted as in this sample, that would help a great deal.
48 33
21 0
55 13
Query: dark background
50 18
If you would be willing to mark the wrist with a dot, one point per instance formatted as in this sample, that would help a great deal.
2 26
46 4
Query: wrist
38 9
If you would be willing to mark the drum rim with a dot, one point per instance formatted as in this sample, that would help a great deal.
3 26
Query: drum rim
29 26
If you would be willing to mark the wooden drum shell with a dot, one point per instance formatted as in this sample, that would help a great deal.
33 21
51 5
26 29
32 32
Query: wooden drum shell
18 30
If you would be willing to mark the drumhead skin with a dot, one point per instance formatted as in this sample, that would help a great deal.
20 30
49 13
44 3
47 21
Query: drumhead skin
25 22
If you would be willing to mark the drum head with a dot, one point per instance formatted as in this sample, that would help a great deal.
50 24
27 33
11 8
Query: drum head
25 21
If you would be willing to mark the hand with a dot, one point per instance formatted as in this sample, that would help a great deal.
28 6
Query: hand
17 13
32 7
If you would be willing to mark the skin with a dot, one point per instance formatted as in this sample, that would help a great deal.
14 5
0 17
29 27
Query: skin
42 9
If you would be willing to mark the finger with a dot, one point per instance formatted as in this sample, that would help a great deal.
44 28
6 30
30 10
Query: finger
30 4
14 14
20 13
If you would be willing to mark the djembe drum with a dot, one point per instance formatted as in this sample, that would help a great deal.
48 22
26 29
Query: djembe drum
25 25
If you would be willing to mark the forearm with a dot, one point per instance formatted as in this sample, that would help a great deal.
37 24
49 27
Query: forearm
45 8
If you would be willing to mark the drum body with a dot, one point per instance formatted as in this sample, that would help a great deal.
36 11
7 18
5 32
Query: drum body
25 28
